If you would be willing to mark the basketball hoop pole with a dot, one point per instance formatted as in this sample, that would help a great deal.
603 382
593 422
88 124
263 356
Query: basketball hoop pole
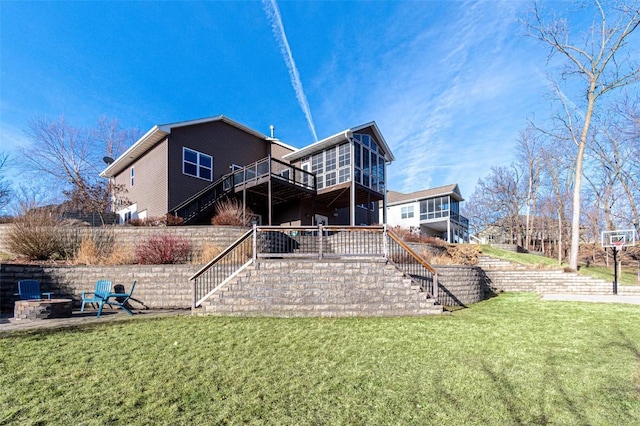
615 269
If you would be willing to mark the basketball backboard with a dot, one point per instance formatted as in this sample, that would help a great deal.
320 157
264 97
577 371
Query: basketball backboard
618 238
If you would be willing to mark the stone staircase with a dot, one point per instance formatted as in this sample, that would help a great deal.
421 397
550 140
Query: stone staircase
507 276
313 288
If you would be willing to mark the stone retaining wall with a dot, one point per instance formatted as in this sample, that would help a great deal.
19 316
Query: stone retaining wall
126 237
158 286
461 285
506 276
321 288
168 286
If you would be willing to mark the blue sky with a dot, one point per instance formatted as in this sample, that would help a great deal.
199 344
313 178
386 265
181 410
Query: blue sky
450 84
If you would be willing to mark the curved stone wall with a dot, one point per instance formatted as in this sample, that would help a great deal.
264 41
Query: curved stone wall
461 285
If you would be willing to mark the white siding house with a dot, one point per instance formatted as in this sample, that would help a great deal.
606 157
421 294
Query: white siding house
434 212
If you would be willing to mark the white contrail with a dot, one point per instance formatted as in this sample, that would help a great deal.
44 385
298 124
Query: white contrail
271 9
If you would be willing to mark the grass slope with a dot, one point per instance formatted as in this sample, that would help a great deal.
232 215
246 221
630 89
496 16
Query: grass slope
509 360
628 276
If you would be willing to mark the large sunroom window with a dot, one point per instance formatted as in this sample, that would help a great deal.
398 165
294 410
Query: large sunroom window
434 208
368 162
334 165
331 166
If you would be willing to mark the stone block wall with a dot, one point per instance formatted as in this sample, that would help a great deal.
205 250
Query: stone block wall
506 276
126 237
461 285
168 286
327 288
158 286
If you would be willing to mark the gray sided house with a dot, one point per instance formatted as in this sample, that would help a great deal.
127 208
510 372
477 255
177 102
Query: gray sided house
186 168
434 212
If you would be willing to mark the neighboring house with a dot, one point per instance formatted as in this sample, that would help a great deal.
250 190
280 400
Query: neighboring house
434 212
185 168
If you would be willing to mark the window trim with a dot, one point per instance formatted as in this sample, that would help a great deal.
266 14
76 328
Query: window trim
407 212
198 164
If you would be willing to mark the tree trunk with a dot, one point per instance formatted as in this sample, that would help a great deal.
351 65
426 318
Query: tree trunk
575 218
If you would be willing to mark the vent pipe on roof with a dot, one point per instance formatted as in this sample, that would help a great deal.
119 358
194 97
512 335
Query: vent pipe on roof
272 128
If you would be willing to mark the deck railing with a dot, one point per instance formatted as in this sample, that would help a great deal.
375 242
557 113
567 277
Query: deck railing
263 242
271 167
266 168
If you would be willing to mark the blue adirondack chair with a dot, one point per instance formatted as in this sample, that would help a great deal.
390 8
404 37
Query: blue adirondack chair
30 290
99 295
120 300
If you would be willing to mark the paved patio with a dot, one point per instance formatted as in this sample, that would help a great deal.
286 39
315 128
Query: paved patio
596 298
9 324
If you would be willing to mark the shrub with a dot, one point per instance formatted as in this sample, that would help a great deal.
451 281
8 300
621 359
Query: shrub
137 222
163 249
166 220
39 235
464 254
413 235
120 256
96 246
208 252
229 212
87 253
172 220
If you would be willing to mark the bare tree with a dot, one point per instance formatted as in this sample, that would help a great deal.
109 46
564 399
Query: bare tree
72 157
559 174
614 177
601 61
529 150
112 138
5 186
497 201
624 138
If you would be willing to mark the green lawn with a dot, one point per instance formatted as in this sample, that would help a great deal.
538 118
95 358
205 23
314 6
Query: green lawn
510 360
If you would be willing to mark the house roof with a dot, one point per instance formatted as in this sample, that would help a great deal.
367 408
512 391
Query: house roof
394 197
342 136
159 132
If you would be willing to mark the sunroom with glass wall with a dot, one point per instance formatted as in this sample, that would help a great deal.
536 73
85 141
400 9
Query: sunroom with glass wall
350 170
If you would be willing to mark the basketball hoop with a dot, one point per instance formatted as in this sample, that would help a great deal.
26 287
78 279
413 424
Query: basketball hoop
617 239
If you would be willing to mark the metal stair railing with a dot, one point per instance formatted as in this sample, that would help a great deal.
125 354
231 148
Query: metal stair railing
222 268
409 262
319 242
204 199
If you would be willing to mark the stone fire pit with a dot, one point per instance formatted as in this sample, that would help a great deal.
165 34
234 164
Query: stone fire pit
43 309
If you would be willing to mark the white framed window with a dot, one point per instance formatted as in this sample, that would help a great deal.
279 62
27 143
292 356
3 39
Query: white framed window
344 175
197 164
316 164
330 160
343 155
406 212
330 179
133 175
